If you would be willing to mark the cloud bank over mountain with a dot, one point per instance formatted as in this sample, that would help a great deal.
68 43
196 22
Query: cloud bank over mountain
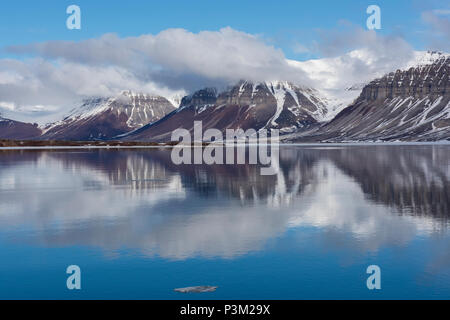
45 79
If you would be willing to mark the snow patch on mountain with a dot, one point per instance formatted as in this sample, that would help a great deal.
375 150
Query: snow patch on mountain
335 79
422 58
138 108
279 91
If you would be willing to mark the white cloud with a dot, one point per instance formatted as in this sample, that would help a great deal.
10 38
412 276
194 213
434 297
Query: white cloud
170 63
224 55
176 61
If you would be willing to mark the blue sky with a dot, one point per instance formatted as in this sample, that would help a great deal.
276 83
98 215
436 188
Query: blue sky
282 23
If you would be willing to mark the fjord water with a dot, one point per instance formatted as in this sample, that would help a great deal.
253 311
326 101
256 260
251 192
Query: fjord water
139 226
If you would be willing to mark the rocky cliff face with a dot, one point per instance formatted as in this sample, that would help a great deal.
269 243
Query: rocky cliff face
279 105
204 97
405 105
285 105
417 82
408 105
105 118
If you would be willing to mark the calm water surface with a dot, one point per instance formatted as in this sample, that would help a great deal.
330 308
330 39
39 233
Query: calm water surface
140 226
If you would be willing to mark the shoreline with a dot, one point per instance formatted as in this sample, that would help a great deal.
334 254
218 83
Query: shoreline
66 145
4 143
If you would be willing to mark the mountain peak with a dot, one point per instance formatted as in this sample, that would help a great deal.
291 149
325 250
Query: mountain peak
417 81
404 105
423 58
106 117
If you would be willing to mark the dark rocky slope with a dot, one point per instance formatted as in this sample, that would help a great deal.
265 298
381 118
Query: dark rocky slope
11 129
279 105
105 118
409 105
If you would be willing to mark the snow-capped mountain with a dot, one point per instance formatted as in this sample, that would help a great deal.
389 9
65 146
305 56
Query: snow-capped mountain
294 105
276 104
341 79
412 104
104 118
423 58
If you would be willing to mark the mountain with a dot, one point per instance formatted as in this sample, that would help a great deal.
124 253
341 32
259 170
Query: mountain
341 78
408 105
104 118
411 104
11 129
279 105
422 58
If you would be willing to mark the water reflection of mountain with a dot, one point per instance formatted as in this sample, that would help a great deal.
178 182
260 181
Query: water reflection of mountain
147 169
415 179
140 199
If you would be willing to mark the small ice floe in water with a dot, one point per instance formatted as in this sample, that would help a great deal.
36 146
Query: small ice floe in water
196 289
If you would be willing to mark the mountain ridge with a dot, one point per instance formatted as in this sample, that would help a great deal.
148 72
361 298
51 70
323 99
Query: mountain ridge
276 104
407 104
101 118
